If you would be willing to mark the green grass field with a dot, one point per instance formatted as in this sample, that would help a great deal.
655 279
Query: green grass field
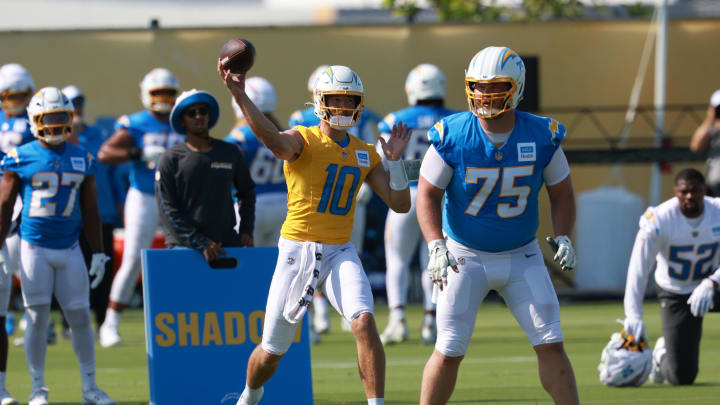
500 367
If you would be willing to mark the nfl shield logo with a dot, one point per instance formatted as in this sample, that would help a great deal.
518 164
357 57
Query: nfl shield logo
498 155
56 164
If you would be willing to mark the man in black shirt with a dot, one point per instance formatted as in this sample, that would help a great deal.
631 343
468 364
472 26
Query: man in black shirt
195 180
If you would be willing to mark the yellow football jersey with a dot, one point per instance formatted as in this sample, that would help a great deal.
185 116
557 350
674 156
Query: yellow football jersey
322 186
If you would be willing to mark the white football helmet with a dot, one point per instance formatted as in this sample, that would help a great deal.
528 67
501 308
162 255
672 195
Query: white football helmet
261 92
50 113
15 79
425 82
624 362
156 80
494 64
313 77
338 80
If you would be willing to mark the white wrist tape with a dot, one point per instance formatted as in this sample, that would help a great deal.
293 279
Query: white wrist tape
715 276
398 177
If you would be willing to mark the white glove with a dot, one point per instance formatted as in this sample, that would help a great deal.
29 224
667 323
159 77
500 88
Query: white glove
365 194
439 261
152 153
701 299
635 327
97 268
564 252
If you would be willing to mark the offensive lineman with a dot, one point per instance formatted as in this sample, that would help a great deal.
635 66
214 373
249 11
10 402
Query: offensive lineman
324 167
682 236
425 88
57 181
141 138
490 164
266 170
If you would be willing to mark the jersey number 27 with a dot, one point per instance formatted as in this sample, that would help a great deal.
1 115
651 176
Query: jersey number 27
46 185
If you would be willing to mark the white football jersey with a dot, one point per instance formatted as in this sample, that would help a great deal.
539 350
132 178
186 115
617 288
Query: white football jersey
686 250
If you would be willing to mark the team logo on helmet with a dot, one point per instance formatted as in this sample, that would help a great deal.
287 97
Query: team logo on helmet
338 80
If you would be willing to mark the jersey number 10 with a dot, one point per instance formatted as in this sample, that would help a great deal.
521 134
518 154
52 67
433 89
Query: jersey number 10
334 185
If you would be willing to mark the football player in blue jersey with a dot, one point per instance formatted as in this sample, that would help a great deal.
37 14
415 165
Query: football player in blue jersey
266 169
91 138
57 181
425 88
489 164
140 138
365 131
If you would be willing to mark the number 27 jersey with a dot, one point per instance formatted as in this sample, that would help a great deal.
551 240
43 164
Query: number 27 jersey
491 201
322 186
50 185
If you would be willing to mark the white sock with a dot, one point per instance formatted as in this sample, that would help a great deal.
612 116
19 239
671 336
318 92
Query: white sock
320 305
112 318
376 401
397 314
429 319
2 380
83 343
253 394
38 321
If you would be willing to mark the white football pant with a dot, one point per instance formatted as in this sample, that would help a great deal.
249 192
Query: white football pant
270 212
357 238
341 276
141 222
519 276
403 239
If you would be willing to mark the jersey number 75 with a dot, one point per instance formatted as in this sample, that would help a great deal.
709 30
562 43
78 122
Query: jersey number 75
508 188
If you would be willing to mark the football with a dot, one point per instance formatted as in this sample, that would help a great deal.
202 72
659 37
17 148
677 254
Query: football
238 55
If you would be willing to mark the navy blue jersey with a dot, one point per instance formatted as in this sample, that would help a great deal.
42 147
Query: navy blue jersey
50 183
145 129
491 202
266 170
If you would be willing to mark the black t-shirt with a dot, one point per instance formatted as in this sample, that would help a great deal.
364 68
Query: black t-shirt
194 193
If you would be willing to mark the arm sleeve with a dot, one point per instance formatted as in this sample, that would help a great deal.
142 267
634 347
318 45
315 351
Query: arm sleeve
245 194
178 224
645 250
435 170
557 170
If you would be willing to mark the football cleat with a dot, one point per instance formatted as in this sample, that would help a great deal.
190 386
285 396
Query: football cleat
96 396
109 336
428 333
39 396
6 398
395 332
656 376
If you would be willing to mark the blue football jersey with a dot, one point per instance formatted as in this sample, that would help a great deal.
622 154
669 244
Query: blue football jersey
266 170
491 202
419 119
14 131
145 129
364 129
92 139
50 182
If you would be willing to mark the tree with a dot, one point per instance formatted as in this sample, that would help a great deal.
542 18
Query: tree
487 10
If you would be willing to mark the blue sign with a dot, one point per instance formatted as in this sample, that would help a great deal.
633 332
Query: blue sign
202 323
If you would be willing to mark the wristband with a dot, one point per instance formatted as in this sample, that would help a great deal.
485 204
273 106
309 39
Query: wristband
398 177
134 152
715 277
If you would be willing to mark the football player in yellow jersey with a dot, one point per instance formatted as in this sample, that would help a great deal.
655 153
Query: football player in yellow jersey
324 167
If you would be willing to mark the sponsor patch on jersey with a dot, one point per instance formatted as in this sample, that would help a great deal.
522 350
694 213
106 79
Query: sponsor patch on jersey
716 230
363 158
221 165
526 151
77 163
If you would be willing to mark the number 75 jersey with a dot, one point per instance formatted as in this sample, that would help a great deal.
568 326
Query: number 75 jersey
491 201
50 182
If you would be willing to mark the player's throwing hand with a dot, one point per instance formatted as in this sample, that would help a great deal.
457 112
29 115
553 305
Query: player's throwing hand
235 82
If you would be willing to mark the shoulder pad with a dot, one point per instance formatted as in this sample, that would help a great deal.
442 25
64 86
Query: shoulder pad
649 222
123 122
556 130
436 134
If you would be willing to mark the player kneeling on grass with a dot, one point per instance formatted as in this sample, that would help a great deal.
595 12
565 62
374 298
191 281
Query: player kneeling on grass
57 181
490 163
324 169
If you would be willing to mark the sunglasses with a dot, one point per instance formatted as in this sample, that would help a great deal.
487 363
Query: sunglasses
194 112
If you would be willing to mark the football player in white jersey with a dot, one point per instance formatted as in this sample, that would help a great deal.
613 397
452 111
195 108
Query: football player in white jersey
425 88
140 138
57 181
489 164
682 236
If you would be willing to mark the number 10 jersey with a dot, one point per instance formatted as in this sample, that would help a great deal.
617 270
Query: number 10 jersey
322 186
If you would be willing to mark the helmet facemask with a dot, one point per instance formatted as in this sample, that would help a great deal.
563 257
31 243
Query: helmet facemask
53 127
485 105
15 102
339 117
162 99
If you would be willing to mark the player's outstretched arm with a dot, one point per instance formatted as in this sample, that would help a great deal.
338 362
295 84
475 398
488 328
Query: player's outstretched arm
9 186
286 145
119 148
392 186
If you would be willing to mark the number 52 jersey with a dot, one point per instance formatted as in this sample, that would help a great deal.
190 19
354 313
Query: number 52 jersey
50 182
